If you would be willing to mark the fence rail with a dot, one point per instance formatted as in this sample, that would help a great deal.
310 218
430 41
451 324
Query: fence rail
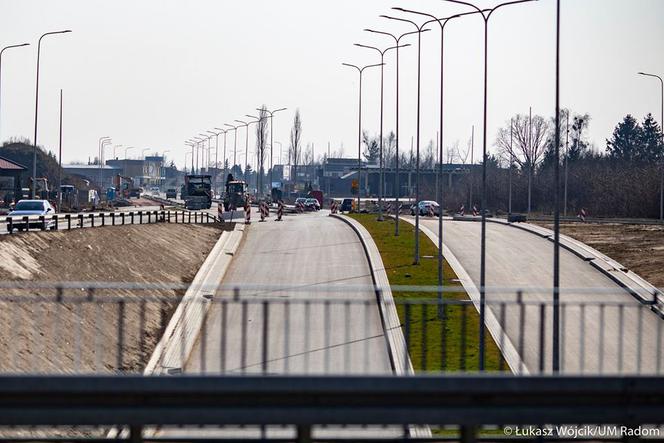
90 220
465 408
109 328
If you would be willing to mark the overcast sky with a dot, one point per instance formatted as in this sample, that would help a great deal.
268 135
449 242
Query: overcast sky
153 73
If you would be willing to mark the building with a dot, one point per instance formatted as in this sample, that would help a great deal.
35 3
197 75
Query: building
10 181
92 174
146 172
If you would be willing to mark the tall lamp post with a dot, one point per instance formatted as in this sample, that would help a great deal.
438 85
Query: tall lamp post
192 145
380 151
216 154
198 141
259 163
225 131
1 51
206 160
397 186
486 15
34 150
419 30
439 191
271 113
359 128
246 145
100 146
234 144
661 125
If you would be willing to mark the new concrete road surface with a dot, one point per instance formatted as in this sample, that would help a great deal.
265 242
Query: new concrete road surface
597 335
309 257
318 257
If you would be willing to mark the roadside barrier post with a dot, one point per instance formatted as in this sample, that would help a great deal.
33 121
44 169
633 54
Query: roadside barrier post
220 212
247 213
103 219
122 215
10 225
55 222
68 217
462 210
92 220
280 210
80 220
26 221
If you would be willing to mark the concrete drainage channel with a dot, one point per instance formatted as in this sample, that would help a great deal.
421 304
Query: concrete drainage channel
396 342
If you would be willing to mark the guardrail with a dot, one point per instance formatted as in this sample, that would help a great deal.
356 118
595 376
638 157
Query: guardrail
90 220
305 409
102 328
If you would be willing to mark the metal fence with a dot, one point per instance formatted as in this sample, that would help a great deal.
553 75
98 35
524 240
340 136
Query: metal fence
98 219
332 409
115 328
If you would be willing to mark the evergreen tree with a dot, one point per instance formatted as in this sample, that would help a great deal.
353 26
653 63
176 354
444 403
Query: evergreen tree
625 141
651 148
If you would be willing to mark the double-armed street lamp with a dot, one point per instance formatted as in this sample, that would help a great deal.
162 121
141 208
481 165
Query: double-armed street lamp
486 15
271 114
192 145
360 71
382 53
246 147
397 40
234 144
34 150
225 131
419 30
124 170
1 51
103 141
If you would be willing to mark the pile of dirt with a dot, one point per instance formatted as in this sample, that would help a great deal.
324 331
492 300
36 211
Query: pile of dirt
639 248
119 329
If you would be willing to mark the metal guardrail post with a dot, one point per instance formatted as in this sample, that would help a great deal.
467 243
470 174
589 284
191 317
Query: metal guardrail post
42 220
92 220
304 434
103 219
149 217
140 218
112 218
122 216
135 434
169 216
68 217
189 217
10 225
80 220
26 221
56 219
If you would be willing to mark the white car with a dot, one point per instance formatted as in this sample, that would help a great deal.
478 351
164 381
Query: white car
32 209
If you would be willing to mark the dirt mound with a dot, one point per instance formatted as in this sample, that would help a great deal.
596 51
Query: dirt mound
41 335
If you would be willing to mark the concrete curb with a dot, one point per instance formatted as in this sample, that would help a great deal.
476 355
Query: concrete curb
396 342
501 338
631 282
173 350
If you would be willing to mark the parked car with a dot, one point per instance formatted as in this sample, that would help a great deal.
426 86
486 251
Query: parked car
424 207
346 205
301 200
171 193
33 209
311 204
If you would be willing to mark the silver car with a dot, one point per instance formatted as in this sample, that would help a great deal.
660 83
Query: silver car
32 209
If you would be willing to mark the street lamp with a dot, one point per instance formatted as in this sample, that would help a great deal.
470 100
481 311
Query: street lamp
661 125
439 191
198 141
259 162
271 141
143 152
224 154
100 147
203 160
234 144
1 51
34 150
486 15
380 152
359 127
216 153
398 189
191 144
114 148
419 30
246 148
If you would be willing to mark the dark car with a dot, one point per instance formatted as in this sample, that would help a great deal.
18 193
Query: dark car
171 193
346 205
311 204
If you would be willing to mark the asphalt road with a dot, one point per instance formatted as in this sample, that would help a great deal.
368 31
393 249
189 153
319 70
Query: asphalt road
309 257
597 334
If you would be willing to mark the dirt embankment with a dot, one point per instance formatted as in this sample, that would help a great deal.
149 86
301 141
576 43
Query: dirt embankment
640 248
41 335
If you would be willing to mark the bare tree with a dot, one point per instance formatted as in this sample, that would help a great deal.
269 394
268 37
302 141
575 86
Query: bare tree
295 150
524 142
261 142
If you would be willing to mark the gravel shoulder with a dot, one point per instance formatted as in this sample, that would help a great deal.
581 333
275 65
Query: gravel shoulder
640 248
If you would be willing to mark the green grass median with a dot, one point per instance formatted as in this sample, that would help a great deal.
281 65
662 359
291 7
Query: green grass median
447 343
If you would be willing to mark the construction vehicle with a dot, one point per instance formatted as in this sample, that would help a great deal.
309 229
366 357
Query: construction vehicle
235 195
197 192
125 188
69 196
41 190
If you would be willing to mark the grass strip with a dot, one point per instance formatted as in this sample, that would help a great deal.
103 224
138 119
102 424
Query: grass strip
435 343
